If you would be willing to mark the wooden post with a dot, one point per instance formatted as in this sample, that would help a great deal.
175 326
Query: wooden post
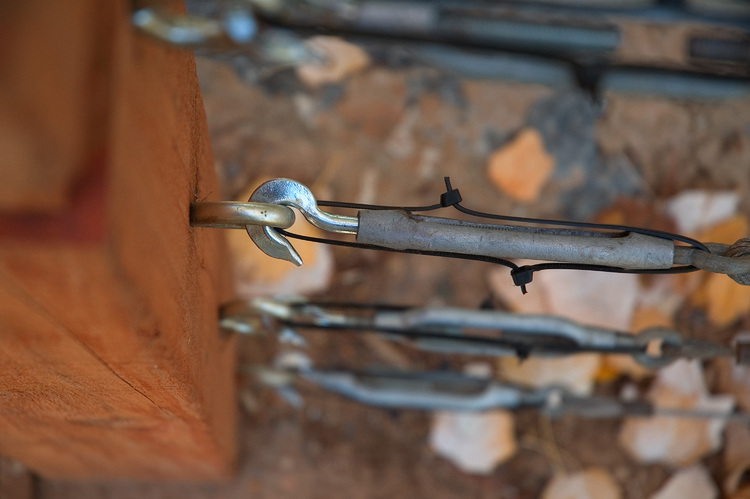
111 362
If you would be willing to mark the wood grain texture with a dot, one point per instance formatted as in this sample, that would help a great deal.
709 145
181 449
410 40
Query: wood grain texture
111 362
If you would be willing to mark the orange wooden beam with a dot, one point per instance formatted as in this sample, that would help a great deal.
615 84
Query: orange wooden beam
111 361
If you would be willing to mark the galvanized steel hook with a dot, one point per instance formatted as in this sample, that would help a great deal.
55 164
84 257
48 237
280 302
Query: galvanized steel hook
237 26
289 192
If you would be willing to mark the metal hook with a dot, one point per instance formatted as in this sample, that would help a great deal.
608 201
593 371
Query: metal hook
289 192
233 26
237 26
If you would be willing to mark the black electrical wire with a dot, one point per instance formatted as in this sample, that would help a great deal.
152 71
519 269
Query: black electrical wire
587 225
446 254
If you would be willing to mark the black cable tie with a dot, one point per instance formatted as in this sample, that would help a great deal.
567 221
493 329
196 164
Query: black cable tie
522 276
450 198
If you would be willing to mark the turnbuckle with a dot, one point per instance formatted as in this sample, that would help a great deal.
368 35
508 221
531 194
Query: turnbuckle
448 391
469 332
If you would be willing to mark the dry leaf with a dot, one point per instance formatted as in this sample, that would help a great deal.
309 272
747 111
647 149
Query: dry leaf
690 483
661 300
737 460
594 483
655 307
610 368
697 210
677 441
258 274
725 300
595 298
521 167
574 372
343 59
474 442
648 317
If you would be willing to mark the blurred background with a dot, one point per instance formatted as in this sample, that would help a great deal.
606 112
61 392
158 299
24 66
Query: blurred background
621 112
